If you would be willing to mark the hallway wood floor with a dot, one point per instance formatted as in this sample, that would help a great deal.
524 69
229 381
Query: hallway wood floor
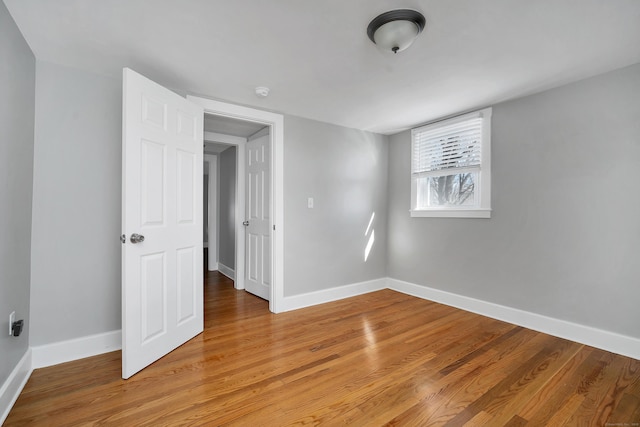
379 359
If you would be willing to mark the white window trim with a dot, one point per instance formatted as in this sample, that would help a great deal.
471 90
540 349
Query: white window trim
484 178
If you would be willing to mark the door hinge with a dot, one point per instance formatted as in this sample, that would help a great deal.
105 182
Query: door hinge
274 227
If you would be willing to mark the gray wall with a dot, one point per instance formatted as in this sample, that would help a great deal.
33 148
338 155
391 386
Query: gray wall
75 276
563 237
345 171
227 208
17 109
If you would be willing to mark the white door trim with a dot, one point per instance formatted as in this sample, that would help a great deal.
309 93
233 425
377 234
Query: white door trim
276 122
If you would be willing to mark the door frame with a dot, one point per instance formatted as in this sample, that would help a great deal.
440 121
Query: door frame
276 123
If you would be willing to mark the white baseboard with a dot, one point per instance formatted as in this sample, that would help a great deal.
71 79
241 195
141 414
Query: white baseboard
229 272
79 348
605 340
332 294
213 266
14 384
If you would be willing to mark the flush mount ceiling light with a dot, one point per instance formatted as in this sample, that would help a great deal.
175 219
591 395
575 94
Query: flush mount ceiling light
395 30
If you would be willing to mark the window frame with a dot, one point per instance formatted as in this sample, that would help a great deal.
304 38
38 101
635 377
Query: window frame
483 208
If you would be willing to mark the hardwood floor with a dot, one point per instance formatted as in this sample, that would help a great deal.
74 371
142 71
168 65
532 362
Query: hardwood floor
379 359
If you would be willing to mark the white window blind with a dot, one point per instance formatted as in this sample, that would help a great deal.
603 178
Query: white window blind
446 149
451 167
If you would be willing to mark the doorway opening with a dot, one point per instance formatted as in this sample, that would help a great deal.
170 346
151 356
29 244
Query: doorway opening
274 153
225 140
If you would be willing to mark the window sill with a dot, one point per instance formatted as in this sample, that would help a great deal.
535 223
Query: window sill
451 213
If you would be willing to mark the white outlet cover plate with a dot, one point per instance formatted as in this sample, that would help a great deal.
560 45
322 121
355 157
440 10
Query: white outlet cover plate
12 318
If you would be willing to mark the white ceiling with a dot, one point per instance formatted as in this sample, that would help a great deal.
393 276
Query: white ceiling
316 57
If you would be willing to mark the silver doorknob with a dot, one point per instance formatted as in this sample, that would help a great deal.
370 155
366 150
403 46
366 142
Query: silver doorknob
245 223
137 238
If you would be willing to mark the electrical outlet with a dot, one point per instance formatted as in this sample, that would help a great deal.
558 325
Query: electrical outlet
12 318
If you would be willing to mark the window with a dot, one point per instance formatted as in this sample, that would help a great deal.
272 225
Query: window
451 167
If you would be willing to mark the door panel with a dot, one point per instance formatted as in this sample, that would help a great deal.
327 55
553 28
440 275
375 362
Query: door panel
185 191
258 234
154 296
186 278
266 260
162 281
151 174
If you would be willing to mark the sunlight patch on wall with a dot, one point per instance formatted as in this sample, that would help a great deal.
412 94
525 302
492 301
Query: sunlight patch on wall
373 215
367 250
372 237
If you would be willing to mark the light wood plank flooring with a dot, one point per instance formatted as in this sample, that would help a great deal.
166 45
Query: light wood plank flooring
379 359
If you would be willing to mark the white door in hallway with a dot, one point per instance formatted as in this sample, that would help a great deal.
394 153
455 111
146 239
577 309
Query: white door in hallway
162 277
257 218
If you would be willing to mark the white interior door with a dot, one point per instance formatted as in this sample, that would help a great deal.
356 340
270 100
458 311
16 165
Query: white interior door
162 277
257 208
